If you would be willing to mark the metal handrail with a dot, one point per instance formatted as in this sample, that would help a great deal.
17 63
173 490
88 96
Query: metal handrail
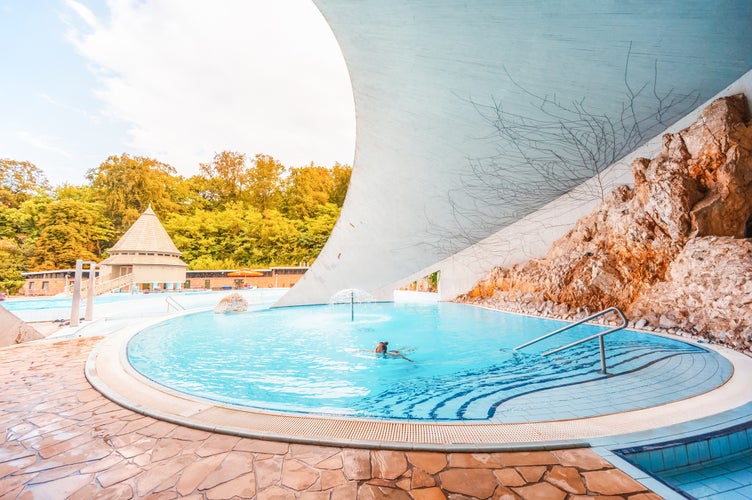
599 335
174 303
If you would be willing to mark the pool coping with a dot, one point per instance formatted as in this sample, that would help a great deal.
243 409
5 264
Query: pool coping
109 373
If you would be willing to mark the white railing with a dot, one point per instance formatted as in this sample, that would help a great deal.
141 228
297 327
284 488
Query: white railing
171 302
101 287
599 335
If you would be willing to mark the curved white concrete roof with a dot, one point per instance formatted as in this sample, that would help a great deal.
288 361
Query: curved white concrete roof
428 77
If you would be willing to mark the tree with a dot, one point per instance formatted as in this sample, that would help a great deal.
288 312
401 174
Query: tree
11 266
128 185
13 250
341 178
227 178
19 181
265 180
315 231
213 217
76 193
208 235
307 189
278 240
71 230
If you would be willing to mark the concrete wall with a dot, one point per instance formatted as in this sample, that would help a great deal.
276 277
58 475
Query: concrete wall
158 274
277 281
427 76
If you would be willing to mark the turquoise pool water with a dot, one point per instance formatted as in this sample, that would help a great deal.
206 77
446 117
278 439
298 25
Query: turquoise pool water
460 364
123 304
40 304
64 303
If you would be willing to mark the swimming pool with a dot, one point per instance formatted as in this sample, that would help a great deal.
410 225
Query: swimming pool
461 365
113 305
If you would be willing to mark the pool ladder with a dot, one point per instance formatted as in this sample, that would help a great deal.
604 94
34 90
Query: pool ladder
599 335
171 302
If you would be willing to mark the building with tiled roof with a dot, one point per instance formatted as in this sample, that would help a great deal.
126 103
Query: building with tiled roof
146 255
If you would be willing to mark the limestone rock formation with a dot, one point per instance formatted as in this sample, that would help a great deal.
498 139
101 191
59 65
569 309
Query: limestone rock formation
232 303
699 185
708 292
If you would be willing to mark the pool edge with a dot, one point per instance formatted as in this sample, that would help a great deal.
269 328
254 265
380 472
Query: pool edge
106 372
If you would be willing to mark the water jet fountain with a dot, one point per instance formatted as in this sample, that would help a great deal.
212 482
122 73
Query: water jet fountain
351 295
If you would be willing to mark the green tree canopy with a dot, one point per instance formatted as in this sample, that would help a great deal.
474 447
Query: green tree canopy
307 189
128 185
19 181
341 178
208 234
265 182
226 178
234 213
11 266
71 230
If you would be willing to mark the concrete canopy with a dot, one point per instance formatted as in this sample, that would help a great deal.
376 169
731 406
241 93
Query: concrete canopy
473 115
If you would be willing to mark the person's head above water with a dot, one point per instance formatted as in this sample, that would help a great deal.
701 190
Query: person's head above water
381 346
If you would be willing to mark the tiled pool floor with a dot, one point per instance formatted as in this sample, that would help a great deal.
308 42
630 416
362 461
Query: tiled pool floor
715 464
721 479
690 374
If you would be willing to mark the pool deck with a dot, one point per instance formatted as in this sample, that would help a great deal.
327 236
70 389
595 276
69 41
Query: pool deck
61 438
77 422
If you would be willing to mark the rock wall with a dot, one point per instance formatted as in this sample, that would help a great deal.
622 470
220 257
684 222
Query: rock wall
656 240
708 292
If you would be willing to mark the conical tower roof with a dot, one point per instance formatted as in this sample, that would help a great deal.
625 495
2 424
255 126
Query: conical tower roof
146 235
145 242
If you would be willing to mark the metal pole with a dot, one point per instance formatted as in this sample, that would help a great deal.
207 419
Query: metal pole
352 305
75 307
602 345
90 291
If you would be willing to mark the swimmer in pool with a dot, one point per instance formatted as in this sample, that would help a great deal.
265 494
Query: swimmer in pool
383 348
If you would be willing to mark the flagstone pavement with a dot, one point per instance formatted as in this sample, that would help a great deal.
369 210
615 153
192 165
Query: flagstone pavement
59 438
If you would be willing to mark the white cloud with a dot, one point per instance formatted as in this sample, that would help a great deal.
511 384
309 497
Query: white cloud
42 142
191 78
83 13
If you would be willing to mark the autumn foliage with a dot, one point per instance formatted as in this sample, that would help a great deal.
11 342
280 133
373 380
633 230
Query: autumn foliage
236 212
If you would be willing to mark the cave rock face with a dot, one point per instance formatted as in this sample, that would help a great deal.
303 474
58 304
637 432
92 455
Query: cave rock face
708 292
644 240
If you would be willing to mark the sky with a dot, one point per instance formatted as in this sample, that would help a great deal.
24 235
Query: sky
173 80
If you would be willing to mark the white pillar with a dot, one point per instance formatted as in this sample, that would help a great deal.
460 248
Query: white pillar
90 291
75 307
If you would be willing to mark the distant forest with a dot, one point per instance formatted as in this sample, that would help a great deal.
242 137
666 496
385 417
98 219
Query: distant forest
236 212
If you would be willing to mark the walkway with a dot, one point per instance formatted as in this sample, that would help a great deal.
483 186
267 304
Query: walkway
62 439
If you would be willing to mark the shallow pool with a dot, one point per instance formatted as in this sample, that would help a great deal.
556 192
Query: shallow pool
460 362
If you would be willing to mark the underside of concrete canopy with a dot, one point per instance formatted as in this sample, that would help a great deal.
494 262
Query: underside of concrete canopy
486 128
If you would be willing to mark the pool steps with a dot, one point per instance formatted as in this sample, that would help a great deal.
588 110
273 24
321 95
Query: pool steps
523 374
600 335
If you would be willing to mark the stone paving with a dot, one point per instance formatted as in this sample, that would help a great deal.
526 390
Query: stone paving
59 438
